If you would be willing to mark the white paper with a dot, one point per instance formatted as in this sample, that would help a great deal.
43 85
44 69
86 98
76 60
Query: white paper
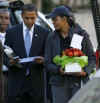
28 59
74 67
76 41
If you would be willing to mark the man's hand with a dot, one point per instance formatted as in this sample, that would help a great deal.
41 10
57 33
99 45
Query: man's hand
61 71
16 64
39 60
83 74
78 74
13 61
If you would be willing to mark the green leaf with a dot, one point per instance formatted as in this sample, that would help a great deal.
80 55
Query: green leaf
64 60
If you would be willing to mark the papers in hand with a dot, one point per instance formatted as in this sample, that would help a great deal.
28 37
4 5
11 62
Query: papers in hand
76 41
29 59
74 67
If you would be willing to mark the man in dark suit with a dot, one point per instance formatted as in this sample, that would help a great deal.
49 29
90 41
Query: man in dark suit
4 23
65 85
25 83
1 61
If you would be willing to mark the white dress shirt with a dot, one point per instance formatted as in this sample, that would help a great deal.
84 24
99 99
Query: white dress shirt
31 31
2 39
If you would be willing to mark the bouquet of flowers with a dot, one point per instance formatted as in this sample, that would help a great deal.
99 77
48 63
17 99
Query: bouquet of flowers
71 59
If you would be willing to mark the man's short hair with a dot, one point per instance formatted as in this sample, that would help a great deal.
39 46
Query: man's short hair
29 7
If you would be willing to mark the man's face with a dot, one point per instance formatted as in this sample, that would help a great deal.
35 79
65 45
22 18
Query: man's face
4 20
58 22
29 18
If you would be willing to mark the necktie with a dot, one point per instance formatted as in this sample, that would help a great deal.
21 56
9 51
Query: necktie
27 46
27 42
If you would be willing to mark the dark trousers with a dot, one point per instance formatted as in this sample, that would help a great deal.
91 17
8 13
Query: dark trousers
63 93
5 85
27 97
30 92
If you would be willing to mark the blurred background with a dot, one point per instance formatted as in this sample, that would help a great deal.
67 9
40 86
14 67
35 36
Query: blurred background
81 9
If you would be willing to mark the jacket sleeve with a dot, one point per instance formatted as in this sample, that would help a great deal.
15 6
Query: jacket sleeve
88 50
1 55
8 43
50 66
1 60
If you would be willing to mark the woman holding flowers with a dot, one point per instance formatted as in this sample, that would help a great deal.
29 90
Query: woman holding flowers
67 36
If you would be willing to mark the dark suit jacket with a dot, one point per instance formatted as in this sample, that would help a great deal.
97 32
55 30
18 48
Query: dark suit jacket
1 60
17 76
53 49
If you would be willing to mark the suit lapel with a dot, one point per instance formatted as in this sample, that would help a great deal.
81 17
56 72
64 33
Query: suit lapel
35 40
21 41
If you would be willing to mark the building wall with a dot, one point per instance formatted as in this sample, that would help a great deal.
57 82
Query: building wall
71 2
25 1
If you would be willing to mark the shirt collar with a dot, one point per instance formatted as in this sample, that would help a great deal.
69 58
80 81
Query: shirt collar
3 34
25 28
70 33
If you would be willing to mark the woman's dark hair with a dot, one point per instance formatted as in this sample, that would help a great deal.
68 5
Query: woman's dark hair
29 7
71 18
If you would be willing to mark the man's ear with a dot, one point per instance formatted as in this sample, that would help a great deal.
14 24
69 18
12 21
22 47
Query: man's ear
37 14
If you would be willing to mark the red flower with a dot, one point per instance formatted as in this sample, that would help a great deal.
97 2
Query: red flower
73 52
70 54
